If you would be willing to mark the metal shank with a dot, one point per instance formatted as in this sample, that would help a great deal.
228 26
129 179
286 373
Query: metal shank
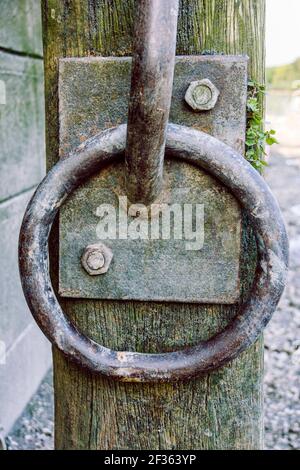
150 98
220 161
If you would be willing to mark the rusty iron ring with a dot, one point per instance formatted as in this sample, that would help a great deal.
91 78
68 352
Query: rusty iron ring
220 161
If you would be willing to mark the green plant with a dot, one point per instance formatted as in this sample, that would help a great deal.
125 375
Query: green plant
256 136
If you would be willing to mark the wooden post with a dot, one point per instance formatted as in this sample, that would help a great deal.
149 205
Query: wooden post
222 410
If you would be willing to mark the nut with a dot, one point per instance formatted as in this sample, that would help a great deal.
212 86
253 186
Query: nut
202 95
96 259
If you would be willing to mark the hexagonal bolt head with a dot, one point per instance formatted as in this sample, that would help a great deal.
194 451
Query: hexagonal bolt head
202 95
96 259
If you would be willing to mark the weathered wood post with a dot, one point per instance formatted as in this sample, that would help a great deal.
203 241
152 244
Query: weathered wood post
218 410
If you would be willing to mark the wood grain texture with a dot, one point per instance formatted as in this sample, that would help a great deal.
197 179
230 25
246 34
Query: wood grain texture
223 409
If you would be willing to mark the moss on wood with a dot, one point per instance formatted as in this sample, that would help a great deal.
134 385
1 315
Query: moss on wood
221 410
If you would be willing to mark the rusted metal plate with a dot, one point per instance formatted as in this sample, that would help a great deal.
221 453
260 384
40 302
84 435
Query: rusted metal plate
93 94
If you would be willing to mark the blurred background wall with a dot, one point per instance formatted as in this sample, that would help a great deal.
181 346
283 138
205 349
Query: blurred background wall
24 352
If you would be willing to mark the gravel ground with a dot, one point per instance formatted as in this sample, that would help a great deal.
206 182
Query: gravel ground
282 337
34 430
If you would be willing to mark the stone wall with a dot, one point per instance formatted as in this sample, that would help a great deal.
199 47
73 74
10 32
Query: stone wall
24 352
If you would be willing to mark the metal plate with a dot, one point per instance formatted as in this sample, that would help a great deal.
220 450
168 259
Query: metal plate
93 94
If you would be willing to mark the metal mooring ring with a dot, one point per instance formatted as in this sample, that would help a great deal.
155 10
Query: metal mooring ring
220 161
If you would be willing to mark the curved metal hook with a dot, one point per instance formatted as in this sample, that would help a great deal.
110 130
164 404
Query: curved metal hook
150 97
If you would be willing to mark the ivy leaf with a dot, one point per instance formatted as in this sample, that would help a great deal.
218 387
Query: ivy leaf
271 140
252 105
256 136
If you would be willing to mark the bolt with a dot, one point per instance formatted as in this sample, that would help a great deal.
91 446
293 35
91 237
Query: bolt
202 95
96 259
